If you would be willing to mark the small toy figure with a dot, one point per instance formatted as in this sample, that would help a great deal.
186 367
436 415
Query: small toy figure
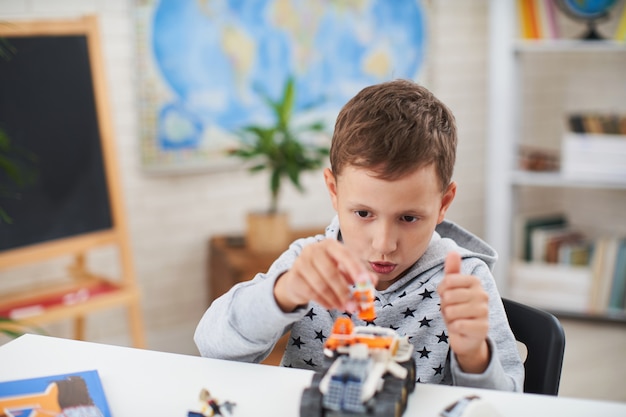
363 295
211 407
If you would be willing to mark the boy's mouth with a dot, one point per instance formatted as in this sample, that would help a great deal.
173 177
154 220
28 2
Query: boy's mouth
382 267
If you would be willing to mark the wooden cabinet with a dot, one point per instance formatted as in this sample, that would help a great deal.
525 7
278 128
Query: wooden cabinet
231 262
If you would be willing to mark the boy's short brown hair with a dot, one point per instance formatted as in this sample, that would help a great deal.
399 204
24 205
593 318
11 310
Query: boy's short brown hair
394 128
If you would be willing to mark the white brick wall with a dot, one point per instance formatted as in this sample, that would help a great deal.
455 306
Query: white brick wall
172 217
458 76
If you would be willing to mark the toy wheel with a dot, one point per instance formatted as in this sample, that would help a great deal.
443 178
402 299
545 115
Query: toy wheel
395 388
388 405
410 377
317 378
311 403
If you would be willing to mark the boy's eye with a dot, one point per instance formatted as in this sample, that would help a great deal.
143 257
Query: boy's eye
362 213
409 219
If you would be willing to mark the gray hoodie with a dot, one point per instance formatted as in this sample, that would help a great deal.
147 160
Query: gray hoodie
245 323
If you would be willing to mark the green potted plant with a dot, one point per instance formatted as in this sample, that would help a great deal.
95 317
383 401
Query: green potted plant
278 149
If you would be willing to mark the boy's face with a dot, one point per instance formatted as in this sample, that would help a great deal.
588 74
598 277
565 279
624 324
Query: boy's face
388 223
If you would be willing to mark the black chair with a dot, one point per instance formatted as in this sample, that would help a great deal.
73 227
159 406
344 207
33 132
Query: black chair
544 338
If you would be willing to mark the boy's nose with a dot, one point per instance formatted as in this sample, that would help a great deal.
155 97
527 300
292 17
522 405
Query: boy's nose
384 240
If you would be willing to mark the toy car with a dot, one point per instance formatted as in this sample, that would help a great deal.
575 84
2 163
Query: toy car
371 373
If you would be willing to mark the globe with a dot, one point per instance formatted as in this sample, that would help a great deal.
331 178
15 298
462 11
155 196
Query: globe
588 11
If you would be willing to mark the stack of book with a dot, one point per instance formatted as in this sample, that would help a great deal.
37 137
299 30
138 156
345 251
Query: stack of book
594 148
559 268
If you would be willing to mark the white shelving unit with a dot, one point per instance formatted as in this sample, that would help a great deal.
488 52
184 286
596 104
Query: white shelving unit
507 185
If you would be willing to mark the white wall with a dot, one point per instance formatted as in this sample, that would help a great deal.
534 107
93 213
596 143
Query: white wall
172 217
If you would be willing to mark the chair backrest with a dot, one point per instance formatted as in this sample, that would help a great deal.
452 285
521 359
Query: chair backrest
544 338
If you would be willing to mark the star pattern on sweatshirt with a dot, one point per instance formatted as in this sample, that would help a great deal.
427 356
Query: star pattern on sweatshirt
426 294
425 322
438 370
297 341
320 336
424 352
310 314
399 311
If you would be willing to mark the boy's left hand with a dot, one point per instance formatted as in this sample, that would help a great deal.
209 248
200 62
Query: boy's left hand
465 310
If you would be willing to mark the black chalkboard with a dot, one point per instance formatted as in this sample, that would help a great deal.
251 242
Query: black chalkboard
48 110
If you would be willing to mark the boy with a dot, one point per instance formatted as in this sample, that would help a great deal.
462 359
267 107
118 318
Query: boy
392 156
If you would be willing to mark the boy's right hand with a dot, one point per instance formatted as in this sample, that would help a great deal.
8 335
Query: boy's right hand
323 273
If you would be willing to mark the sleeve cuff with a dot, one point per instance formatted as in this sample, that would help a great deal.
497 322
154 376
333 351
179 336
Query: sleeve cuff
491 378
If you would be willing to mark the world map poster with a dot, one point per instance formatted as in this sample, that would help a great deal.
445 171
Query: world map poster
204 67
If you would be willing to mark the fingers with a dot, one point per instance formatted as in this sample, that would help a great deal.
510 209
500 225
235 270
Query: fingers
452 264
462 297
322 273
464 306
319 272
453 279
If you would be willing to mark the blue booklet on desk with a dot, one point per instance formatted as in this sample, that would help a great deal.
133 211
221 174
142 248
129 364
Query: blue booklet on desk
77 394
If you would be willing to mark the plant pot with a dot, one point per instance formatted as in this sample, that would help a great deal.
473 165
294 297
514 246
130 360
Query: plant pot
268 233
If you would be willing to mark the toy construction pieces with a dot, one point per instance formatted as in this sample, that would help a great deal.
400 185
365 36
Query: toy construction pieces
210 406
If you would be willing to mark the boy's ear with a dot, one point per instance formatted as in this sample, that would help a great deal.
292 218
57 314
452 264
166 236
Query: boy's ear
331 185
446 201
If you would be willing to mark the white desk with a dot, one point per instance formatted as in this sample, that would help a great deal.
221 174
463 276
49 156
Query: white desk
142 382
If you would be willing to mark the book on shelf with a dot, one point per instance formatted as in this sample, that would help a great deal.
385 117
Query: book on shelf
554 259
609 275
577 253
529 25
546 15
77 394
617 300
527 224
599 123
547 241
599 267
620 32
540 20
576 123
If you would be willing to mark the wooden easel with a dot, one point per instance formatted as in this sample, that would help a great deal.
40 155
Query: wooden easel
85 292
